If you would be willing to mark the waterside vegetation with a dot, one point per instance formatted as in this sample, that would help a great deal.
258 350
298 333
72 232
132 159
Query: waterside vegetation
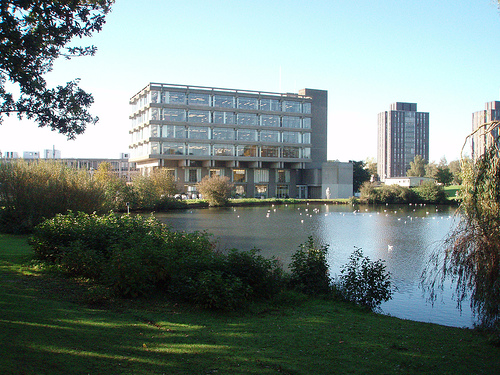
54 324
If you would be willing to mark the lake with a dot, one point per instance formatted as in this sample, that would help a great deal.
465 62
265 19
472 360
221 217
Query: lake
402 236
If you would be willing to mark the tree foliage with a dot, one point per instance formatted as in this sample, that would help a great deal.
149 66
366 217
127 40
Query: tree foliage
215 189
417 167
34 35
472 250
360 174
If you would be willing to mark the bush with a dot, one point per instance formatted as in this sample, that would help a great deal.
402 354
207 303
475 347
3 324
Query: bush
216 290
132 255
430 192
263 276
216 189
309 269
365 282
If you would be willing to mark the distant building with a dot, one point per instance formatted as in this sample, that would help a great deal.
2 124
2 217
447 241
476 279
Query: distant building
482 139
403 133
268 144
31 155
408 181
9 155
51 154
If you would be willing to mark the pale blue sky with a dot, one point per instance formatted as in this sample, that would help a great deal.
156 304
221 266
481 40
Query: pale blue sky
443 55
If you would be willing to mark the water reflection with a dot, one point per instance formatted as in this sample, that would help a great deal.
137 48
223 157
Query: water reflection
403 236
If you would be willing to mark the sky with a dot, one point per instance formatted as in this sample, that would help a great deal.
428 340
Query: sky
443 55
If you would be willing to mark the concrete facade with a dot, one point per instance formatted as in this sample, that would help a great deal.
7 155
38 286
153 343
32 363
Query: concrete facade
268 144
485 135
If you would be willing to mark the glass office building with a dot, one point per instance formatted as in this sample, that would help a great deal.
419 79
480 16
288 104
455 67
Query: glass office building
403 133
268 144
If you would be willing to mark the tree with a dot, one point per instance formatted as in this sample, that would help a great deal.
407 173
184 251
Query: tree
443 175
456 171
34 35
115 189
471 256
359 174
215 189
371 166
417 167
154 190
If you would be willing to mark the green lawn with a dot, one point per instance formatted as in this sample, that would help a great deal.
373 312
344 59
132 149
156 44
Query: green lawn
48 327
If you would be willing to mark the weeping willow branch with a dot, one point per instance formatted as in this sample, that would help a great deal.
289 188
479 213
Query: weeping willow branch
471 256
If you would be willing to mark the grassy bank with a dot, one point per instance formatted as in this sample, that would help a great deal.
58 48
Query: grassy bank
49 326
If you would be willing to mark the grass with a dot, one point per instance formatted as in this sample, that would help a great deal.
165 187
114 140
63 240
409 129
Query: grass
48 326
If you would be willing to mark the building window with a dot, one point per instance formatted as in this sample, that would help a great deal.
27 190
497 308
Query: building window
306 138
225 134
198 132
199 116
223 150
269 120
247 151
269 105
306 108
291 152
269 136
154 131
224 101
216 172
306 153
247 135
282 191
261 175
290 122
193 175
199 99
224 118
154 96
171 148
155 116
173 131
260 191
291 137
198 150
269 151
247 103
173 97
154 147
239 175
246 119
282 176
291 106
174 115
306 123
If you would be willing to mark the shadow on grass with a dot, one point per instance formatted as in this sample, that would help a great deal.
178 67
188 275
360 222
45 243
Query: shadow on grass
47 328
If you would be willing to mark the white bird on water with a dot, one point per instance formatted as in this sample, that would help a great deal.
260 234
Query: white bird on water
389 247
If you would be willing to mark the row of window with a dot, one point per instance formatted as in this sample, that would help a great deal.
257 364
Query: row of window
222 134
223 101
178 148
215 117
236 175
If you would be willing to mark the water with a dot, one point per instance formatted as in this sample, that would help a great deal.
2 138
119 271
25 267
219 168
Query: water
402 236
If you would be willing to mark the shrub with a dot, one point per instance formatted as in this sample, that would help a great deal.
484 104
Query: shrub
365 282
216 189
309 269
131 255
431 193
263 276
216 290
